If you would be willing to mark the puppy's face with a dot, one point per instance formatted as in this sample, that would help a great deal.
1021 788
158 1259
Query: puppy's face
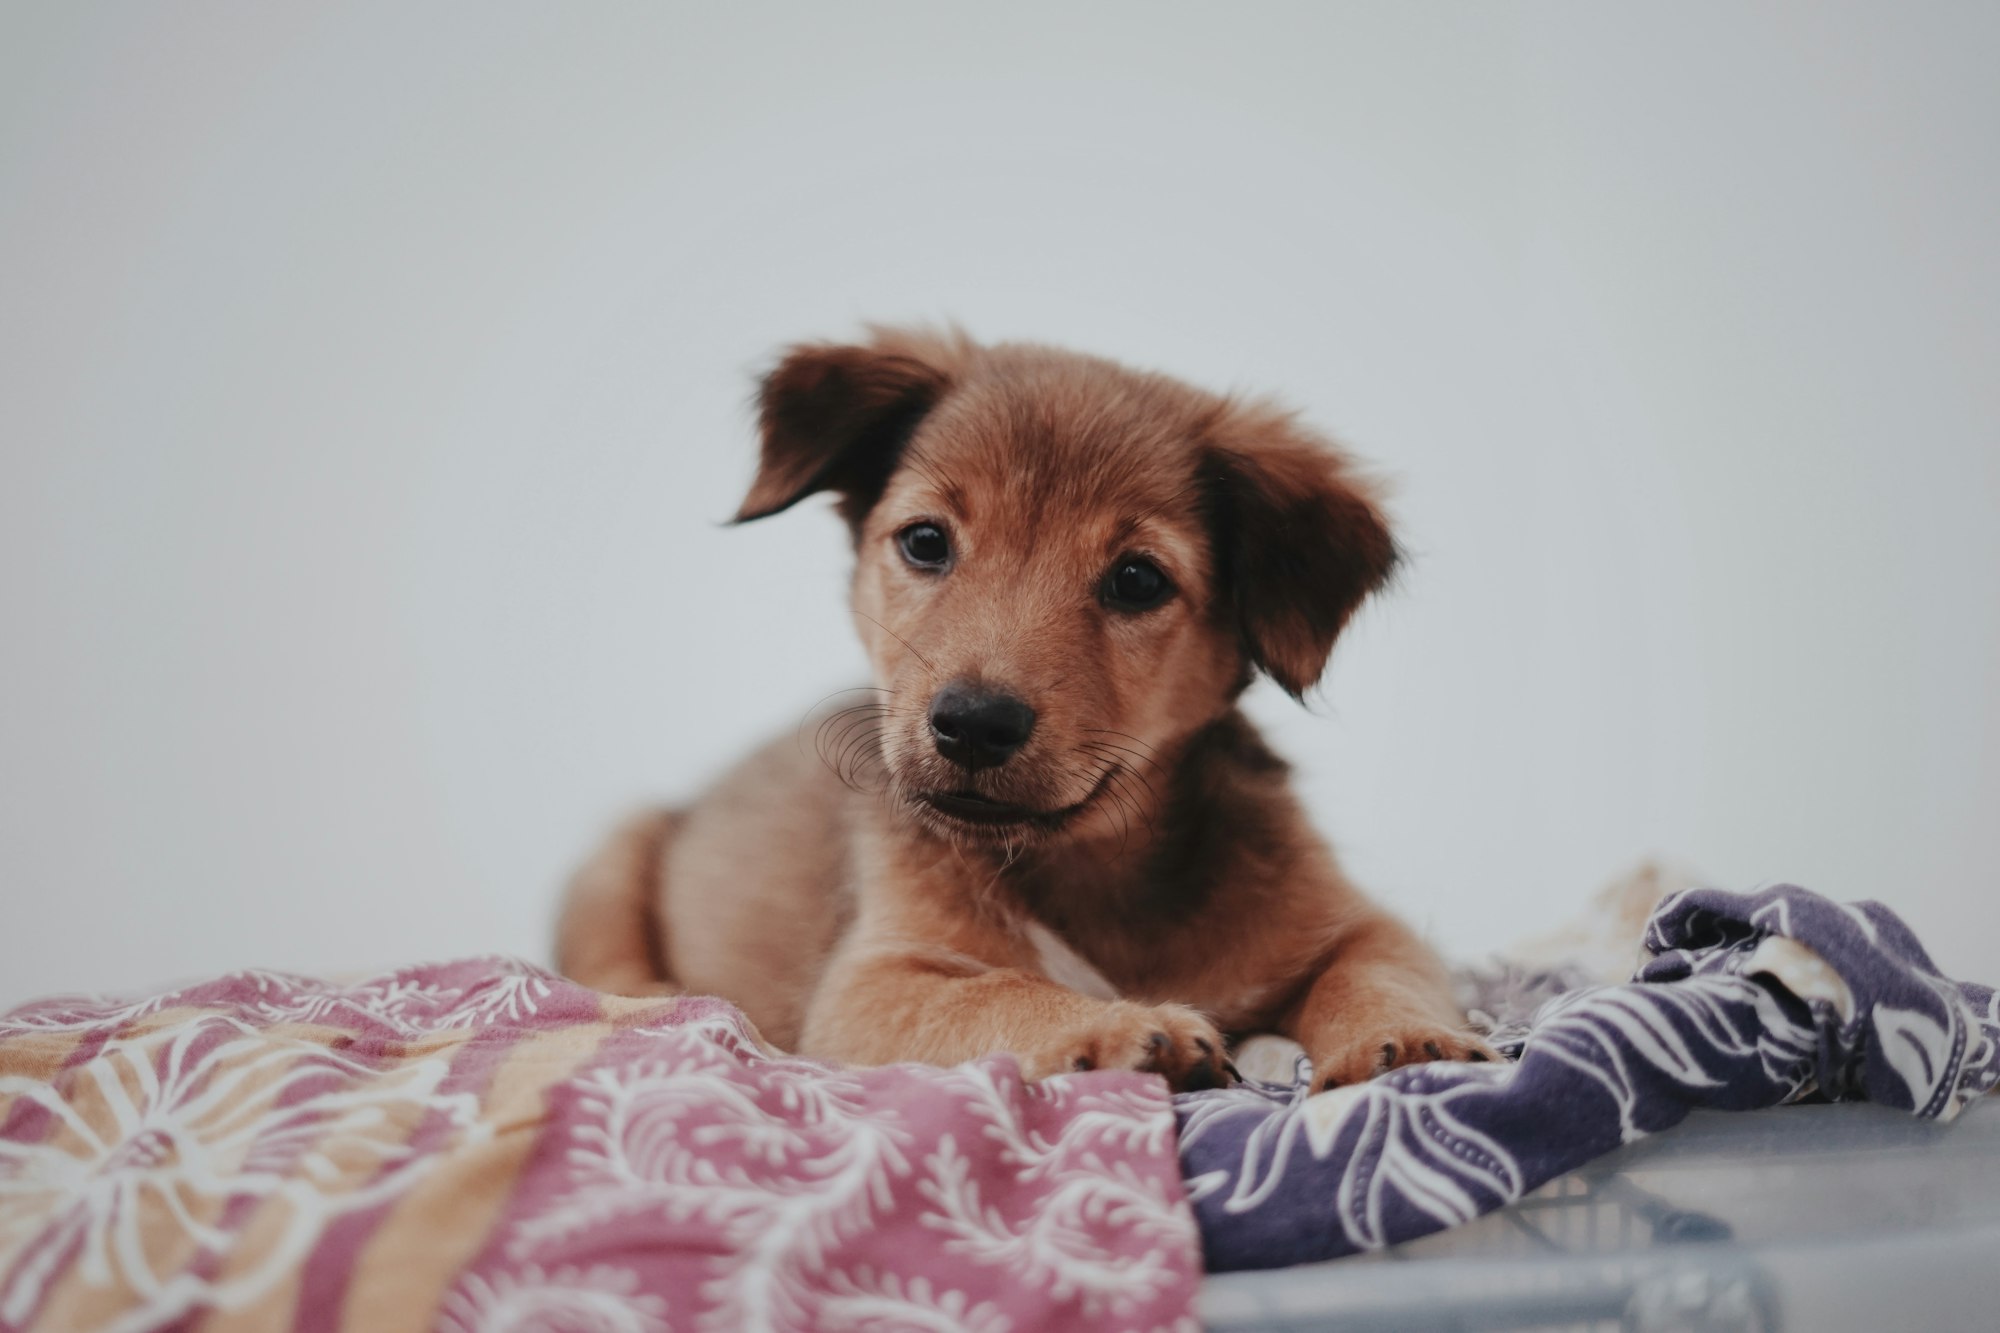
1036 590
1064 569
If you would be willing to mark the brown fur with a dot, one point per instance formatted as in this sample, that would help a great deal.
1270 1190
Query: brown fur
852 920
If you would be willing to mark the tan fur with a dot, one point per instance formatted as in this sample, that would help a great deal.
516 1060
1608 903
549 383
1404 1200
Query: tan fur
1158 847
609 929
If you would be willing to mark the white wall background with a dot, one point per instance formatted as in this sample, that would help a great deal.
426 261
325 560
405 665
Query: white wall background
372 381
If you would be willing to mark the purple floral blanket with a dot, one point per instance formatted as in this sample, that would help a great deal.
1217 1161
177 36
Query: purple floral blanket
1745 1000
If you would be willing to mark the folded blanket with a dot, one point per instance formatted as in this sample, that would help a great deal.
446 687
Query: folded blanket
482 1145
1746 1001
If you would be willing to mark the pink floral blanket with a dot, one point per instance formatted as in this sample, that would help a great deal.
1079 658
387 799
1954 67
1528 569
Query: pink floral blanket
482 1145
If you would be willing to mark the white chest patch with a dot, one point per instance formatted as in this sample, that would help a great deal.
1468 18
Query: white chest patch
1064 966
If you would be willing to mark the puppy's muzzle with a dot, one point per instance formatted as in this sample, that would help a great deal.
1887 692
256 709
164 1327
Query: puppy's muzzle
976 727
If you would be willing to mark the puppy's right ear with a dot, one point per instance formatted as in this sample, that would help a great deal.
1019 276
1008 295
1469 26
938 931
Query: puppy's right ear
835 417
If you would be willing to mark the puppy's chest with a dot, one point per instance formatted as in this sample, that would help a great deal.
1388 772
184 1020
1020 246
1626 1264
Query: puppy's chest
1155 974
1066 967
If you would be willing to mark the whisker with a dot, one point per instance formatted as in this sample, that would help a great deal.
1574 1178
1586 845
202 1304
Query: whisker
1109 754
1113 731
858 742
1124 817
1145 752
860 716
800 737
841 725
1143 802
1128 811
1147 746
852 765
1142 808
1117 785
898 638
843 737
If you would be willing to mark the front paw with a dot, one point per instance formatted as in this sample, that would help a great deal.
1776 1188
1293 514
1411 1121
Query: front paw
1171 1040
1364 1050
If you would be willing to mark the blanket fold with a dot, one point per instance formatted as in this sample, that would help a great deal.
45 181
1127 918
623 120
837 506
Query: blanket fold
1747 1000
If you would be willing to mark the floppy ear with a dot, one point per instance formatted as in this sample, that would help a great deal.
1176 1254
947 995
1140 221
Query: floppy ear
834 417
1299 541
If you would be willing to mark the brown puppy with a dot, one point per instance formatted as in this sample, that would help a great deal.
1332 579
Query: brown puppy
1046 829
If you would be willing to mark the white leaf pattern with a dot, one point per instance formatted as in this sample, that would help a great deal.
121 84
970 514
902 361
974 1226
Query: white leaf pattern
182 1120
781 1171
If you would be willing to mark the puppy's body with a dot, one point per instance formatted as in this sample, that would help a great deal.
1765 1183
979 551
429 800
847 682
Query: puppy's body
1066 573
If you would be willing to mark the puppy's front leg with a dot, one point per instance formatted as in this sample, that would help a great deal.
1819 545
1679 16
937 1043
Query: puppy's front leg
883 1001
1383 1000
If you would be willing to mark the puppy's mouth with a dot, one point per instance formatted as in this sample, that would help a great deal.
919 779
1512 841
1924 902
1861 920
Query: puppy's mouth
973 811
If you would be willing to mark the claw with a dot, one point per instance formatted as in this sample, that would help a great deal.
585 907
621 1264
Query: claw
1202 1078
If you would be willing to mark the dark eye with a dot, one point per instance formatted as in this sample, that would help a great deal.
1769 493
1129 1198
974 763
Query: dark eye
924 545
1136 584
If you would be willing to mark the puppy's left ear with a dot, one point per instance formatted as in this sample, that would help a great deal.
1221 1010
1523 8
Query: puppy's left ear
835 417
1300 540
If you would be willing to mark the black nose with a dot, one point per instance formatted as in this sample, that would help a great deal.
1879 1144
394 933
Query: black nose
975 727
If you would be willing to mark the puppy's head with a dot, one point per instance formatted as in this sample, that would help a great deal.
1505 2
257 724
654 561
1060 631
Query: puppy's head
1064 568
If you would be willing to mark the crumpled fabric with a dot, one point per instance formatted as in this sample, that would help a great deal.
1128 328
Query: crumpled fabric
1744 1001
483 1145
